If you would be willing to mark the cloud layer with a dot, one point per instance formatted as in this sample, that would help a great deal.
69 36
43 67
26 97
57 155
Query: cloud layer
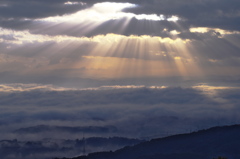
135 112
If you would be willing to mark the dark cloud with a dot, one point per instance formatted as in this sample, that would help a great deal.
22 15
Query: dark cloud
36 9
217 14
208 13
21 15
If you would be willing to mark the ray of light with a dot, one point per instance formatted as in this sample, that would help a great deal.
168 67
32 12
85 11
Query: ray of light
222 57
213 91
87 20
139 56
116 56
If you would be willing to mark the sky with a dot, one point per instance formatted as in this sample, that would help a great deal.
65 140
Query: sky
81 44
145 66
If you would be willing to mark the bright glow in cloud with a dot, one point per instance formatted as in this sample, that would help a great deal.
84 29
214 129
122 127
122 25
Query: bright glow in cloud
206 87
74 3
199 30
111 6
98 13
129 87
213 91
19 87
3 5
206 29
177 58
174 32
106 11
173 18
153 17
21 37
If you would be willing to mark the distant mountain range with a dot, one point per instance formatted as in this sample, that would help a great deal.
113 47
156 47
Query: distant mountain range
205 144
50 148
68 129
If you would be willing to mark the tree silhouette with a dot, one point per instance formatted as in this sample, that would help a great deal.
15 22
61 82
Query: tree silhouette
220 158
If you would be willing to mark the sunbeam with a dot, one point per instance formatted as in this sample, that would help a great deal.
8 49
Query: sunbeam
94 69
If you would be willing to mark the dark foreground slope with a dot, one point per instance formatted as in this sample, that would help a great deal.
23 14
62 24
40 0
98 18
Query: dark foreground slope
217 141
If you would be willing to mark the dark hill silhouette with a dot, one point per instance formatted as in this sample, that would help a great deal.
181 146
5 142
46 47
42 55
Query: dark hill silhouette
204 144
49 148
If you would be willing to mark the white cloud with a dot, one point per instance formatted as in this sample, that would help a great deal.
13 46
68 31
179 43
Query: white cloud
105 11
74 3
22 37
19 87
216 30
26 37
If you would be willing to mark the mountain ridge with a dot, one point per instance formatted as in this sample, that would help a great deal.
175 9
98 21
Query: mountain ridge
209 143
